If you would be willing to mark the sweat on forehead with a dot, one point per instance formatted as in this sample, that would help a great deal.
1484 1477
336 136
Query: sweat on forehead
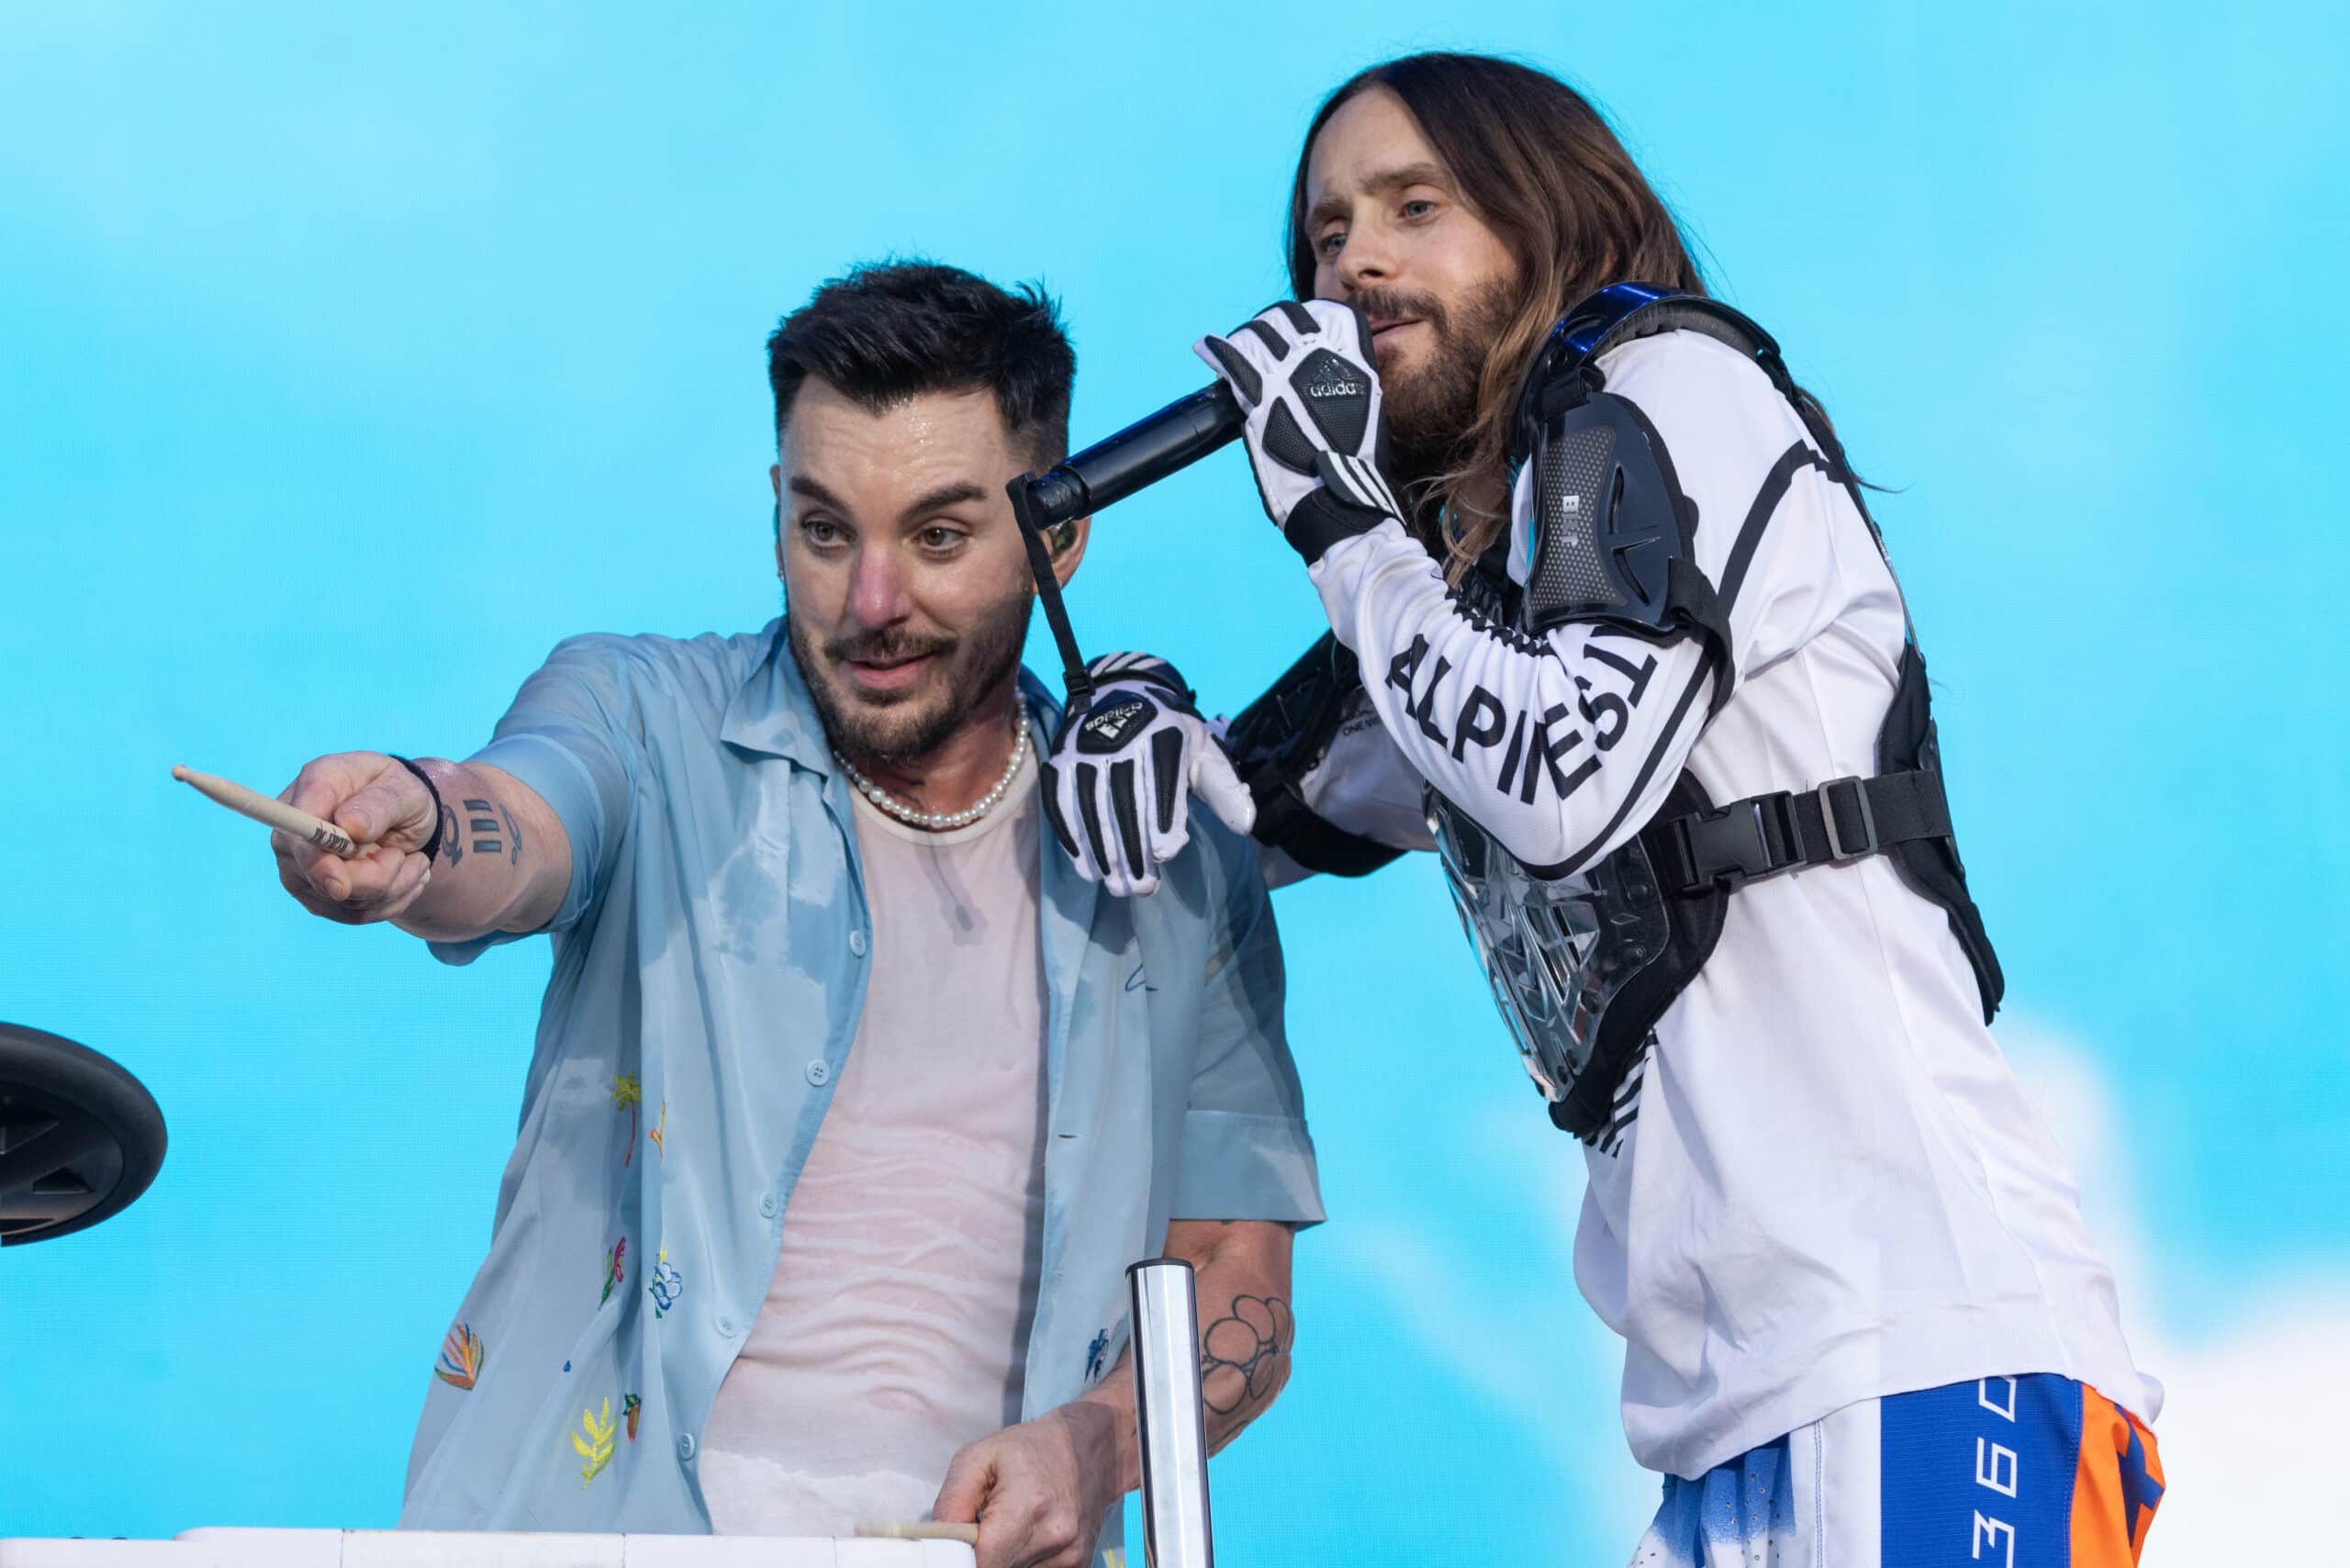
825 418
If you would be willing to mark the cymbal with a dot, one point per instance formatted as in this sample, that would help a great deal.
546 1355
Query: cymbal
79 1137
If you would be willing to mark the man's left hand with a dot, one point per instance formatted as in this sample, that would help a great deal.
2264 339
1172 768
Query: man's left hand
1038 1490
1119 782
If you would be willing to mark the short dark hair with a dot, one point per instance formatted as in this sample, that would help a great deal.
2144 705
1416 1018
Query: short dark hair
890 331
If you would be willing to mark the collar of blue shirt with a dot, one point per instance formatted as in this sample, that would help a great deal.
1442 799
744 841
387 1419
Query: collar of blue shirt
775 713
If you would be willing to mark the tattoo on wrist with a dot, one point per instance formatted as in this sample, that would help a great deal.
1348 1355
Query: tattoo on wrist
453 838
1241 1354
514 836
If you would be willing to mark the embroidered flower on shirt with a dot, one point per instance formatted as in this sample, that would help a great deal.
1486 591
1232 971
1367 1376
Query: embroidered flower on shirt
615 1269
629 1091
660 1126
631 1405
596 1446
667 1285
1093 1355
461 1356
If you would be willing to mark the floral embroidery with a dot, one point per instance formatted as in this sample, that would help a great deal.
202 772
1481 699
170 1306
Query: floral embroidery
667 1285
660 1126
628 1091
597 1446
633 1405
615 1269
461 1355
1093 1355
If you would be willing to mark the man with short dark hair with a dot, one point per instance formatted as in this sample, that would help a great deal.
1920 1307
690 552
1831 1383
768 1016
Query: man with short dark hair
852 1101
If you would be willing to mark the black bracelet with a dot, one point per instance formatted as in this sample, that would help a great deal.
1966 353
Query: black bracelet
432 845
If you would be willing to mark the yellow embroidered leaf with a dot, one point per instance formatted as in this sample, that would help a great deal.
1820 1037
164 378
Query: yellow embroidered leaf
597 1448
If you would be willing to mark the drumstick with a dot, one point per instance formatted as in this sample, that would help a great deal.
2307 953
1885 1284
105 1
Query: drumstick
276 813
917 1530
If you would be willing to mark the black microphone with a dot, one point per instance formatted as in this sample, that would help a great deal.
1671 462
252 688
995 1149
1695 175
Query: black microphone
1135 458
1140 455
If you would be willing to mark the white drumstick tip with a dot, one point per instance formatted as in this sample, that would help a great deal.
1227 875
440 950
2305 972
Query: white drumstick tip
286 818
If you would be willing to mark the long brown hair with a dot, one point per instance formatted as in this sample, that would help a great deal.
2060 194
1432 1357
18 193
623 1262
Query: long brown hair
1537 163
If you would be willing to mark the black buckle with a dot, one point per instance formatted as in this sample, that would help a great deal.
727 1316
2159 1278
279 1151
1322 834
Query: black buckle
1838 847
1747 838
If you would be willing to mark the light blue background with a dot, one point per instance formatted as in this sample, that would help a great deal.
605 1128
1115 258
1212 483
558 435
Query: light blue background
348 361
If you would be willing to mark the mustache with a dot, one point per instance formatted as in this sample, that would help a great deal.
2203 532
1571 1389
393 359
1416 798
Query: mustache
1393 303
886 645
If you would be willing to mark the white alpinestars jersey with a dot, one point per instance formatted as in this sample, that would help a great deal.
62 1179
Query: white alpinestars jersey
1823 1184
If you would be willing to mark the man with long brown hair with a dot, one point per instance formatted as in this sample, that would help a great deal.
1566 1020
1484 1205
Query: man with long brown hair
1628 652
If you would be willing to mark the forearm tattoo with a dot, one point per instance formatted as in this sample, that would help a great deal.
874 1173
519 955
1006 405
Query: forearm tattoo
1244 1354
490 835
483 824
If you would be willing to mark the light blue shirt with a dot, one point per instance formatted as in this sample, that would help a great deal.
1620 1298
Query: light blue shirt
709 967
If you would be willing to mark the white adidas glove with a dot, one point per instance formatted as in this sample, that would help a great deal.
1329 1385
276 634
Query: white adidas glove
1116 783
1303 371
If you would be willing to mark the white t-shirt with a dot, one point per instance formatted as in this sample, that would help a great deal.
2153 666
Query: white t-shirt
896 1328
1824 1185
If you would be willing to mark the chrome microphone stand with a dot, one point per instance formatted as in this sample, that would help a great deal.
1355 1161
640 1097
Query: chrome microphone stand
1169 1416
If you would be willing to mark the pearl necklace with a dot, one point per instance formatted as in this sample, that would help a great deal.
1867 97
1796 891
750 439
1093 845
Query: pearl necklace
939 821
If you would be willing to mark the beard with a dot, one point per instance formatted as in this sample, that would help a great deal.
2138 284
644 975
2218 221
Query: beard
896 728
1432 409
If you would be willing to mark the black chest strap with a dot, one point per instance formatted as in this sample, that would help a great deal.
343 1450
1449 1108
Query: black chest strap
1762 835
1903 814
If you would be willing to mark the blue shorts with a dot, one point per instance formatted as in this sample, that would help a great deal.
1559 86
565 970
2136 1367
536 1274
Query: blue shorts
2036 1472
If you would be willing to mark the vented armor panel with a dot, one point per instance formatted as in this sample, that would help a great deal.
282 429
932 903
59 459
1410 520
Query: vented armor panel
1569 481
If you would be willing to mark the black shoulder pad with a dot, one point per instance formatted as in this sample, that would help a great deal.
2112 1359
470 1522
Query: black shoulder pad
1610 534
1608 520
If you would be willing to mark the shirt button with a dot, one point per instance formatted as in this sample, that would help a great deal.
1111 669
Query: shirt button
685 1446
726 1327
766 1205
856 943
819 1073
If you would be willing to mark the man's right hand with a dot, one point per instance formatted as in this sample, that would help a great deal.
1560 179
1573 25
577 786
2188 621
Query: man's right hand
375 800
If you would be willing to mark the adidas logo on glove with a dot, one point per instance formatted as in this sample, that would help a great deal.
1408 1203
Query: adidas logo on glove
1334 379
1110 728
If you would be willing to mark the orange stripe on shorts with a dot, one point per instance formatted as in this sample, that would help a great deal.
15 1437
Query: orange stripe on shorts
2116 1486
